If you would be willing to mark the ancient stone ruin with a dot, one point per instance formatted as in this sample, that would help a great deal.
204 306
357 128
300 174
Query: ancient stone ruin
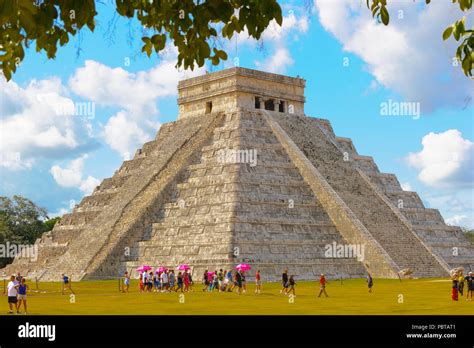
244 175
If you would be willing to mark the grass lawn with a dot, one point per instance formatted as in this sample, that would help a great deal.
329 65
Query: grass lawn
423 296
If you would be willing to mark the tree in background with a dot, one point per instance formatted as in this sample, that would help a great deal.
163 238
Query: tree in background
22 222
469 233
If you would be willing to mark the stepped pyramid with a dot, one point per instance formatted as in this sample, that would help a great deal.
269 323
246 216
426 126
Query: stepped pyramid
244 176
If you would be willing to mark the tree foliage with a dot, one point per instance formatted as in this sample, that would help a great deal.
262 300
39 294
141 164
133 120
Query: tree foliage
193 26
465 37
22 221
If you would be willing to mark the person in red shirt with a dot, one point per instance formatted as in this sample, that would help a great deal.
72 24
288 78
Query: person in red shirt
258 282
322 285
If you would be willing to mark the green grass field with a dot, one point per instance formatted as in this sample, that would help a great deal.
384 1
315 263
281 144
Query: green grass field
426 296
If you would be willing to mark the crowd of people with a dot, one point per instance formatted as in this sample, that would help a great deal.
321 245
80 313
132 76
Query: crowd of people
220 280
168 281
458 280
165 281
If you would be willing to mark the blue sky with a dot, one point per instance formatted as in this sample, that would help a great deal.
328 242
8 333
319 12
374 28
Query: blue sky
351 64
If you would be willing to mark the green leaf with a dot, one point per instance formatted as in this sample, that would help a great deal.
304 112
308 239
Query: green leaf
384 15
447 32
6 72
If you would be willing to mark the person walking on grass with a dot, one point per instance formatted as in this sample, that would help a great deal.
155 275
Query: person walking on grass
258 282
470 285
190 280
171 276
225 283
238 282
186 280
156 282
215 282
284 282
141 286
66 284
370 282
143 277
322 285
12 292
126 282
244 282
150 282
22 289
454 287
230 281
165 281
179 281
461 283
220 279
292 284
205 280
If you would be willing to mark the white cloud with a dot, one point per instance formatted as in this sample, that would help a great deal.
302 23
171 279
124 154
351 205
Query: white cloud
72 176
276 63
89 184
123 134
407 56
457 220
33 125
446 160
406 186
136 94
276 38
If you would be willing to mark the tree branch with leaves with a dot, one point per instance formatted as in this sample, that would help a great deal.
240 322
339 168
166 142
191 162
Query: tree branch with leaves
191 25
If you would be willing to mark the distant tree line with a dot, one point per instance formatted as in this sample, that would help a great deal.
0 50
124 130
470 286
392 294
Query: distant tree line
469 233
22 222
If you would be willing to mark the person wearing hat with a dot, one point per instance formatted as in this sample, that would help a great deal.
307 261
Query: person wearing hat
455 287
322 285
470 285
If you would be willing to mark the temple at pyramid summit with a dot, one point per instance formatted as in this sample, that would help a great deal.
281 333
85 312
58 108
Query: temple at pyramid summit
244 175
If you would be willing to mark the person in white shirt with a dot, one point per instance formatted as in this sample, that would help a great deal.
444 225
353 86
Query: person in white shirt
12 287
165 281
145 280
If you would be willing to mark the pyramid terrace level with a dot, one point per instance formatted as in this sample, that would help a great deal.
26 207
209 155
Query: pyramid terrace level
234 88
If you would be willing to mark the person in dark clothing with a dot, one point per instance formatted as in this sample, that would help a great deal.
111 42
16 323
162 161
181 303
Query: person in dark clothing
205 280
461 283
292 284
284 282
470 285
370 282
238 282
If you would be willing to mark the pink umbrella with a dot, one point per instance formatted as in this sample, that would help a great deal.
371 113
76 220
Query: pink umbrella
161 269
243 267
143 268
183 267
210 274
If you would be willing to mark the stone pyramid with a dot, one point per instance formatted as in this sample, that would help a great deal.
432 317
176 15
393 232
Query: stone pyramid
244 176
